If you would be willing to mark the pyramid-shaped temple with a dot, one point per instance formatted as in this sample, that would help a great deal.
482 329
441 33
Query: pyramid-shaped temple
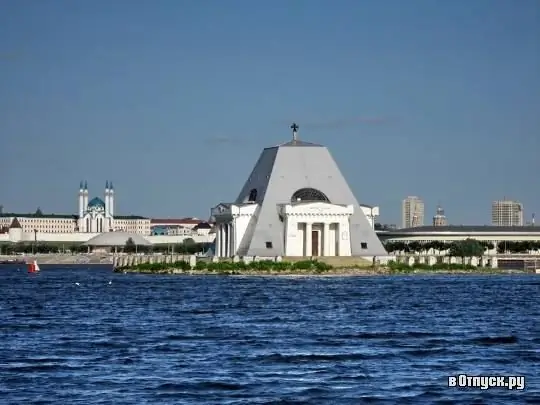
295 202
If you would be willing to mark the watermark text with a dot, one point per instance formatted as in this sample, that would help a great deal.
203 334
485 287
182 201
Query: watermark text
484 382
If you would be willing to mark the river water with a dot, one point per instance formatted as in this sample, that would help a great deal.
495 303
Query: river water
141 339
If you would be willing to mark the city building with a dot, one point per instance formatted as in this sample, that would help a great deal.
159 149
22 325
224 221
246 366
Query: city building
295 202
494 235
94 217
182 226
412 212
506 213
439 219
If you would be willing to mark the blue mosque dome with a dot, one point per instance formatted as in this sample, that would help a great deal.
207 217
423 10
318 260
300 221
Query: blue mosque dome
96 202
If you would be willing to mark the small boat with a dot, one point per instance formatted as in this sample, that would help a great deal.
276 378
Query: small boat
33 267
12 261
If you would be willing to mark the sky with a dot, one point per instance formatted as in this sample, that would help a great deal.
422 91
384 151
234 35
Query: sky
174 100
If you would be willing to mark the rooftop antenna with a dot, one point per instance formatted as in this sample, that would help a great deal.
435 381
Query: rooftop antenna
294 128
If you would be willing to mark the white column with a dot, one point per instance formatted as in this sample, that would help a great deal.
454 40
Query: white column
221 240
286 236
338 238
326 239
227 240
229 244
233 238
308 239
218 242
222 250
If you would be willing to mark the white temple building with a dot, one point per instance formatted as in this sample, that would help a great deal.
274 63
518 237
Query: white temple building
296 202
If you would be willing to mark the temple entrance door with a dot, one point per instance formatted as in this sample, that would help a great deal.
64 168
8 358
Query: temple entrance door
315 243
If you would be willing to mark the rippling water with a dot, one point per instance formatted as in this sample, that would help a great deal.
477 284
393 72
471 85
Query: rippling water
263 340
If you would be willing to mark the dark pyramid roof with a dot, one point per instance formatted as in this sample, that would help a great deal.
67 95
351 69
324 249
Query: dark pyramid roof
15 224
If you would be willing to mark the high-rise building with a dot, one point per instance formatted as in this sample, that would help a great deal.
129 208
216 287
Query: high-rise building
439 219
412 212
506 213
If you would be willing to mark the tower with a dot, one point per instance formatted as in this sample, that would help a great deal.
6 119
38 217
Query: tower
295 202
81 200
107 202
412 212
83 205
439 219
111 199
85 195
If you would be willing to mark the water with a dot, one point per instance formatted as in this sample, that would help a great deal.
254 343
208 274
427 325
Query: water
263 340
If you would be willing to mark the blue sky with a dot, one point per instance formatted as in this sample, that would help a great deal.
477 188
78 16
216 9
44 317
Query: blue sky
173 100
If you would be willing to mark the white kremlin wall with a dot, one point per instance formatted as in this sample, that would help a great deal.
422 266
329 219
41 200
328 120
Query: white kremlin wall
16 235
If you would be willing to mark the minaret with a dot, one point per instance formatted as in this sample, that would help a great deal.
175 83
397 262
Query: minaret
85 195
111 200
107 202
81 201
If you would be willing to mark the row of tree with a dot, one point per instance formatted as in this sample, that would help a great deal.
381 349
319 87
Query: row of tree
455 246
464 248
189 246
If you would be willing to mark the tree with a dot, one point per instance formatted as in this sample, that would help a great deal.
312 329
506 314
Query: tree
130 246
466 248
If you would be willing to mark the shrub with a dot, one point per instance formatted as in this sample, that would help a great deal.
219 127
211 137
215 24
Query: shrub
232 268
397 267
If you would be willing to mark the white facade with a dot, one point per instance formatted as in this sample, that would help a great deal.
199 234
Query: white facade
97 215
506 213
309 229
16 235
412 212
491 234
93 217
317 229
41 223
232 223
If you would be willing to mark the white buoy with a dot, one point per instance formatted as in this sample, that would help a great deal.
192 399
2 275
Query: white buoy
77 284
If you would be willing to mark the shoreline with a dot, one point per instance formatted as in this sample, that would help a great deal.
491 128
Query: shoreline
346 272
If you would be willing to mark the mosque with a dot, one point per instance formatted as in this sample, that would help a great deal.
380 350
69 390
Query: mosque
94 216
296 202
97 215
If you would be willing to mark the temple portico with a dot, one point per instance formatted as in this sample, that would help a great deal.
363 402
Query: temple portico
316 229
225 241
309 228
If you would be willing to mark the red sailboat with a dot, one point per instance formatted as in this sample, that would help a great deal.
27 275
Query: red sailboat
33 267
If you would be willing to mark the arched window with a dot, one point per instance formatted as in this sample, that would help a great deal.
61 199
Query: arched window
253 195
309 194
